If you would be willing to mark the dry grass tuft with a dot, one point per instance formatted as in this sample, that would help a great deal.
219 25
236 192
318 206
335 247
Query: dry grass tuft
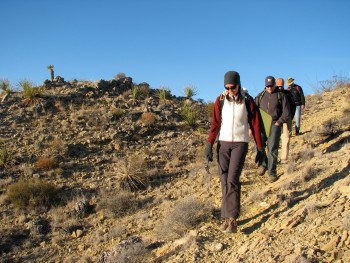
117 203
148 118
186 214
46 163
308 173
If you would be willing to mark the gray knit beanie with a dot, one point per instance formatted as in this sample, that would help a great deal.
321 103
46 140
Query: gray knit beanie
232 77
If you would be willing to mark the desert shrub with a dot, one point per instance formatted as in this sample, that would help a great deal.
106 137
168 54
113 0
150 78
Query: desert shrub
132 176
30 92
307 173
46 163
210 109
120 75
307 154
144 91
328 128
186 214
132 253
32 193
256 196
136 94
5 86
190 91
148 118
117 112
117 203
58 147
5 155
334 83
190 115
164 93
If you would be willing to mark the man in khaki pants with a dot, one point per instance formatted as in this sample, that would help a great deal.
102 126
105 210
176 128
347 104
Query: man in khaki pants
287 126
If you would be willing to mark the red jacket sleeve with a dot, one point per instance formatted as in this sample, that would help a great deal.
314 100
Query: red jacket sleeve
215 122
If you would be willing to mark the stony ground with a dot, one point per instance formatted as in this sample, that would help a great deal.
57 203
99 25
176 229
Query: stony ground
302 217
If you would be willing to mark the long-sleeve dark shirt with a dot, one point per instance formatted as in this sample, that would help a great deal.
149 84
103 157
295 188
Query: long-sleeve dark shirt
279 109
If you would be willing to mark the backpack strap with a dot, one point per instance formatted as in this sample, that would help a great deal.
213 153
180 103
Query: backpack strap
246 98
279 95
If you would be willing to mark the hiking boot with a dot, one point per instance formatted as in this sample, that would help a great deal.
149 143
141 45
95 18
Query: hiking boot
232 226
224 225
262 170
273 178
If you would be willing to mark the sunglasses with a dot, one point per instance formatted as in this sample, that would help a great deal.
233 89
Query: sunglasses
231 88
269 86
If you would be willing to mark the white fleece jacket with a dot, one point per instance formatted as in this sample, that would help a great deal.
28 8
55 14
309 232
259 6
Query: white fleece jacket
234 124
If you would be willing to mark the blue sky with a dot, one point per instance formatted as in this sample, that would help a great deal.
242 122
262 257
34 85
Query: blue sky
176 43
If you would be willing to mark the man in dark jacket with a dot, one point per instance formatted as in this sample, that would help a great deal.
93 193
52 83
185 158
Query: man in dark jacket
299 99
273 102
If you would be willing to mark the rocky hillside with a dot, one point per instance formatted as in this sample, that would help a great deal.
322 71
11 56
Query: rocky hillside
93 172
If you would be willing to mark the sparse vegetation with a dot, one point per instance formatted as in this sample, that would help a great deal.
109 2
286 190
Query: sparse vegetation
46 163
186 214
5 155
5 86
32 194
164 93
132 177
328 128
148 118
190 91
190 115
117 203
31 94
120 75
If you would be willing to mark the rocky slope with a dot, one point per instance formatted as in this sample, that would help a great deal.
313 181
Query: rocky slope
84 139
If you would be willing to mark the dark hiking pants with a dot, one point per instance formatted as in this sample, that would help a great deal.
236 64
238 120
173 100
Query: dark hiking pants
231 157
272 142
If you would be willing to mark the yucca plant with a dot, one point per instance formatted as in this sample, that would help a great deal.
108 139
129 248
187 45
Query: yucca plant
132 178
52 73
190 91
31 94
136 93
164 93
5 86
190 116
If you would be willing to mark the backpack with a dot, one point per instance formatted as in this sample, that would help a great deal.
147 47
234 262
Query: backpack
289 97
291 101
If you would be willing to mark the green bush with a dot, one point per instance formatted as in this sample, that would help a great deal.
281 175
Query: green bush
29 91
190 91
164 93
32 194
190 116
5 86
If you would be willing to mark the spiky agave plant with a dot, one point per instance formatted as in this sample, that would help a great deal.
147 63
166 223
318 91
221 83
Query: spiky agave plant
131 178
31 94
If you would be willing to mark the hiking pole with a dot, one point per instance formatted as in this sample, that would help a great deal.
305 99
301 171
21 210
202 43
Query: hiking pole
206 166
